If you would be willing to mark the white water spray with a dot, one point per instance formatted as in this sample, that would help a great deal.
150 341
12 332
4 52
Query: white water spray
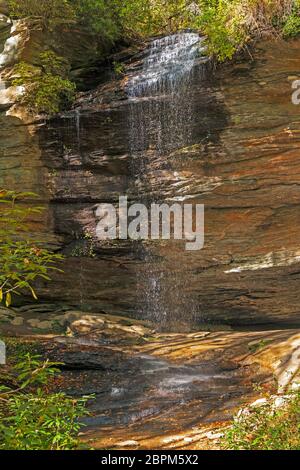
169 62
7 58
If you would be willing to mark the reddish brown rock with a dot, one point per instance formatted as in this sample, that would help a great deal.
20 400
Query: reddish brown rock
241 162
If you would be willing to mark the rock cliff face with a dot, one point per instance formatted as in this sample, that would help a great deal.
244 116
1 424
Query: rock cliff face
25 40
241 161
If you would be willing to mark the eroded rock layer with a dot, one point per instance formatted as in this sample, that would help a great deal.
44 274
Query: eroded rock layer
241 160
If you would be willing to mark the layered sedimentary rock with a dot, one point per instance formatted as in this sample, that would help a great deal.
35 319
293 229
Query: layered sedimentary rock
241 161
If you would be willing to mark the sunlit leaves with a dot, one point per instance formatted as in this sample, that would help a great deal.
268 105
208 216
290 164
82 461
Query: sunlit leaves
47 88
33 418
267 426
51 13
23 260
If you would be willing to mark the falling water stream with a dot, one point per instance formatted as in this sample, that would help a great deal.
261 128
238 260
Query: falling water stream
161 112
161 109
160 115
8 55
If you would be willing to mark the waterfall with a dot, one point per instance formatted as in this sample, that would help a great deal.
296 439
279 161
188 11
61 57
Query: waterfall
11 45
7 58
168 63
160 120
160 109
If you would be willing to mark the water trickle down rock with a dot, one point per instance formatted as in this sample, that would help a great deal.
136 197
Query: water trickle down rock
161 112
8 95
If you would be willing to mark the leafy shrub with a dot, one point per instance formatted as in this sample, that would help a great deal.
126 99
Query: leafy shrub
228 24
31 418
51 13
291 27
145 17
266 427
47 88
99 16
22 260
223 26
42 422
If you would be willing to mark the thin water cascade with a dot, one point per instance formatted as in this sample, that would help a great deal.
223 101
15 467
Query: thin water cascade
160 121
77 121
7 57
11 45
160 108
169 62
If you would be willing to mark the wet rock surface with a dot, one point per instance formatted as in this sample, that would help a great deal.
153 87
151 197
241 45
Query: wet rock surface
185 402
173 390
163 390
241 162
86 358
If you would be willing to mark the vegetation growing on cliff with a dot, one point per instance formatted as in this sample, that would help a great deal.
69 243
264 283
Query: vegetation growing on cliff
46 88
51 13
22 259
228 24
291 26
